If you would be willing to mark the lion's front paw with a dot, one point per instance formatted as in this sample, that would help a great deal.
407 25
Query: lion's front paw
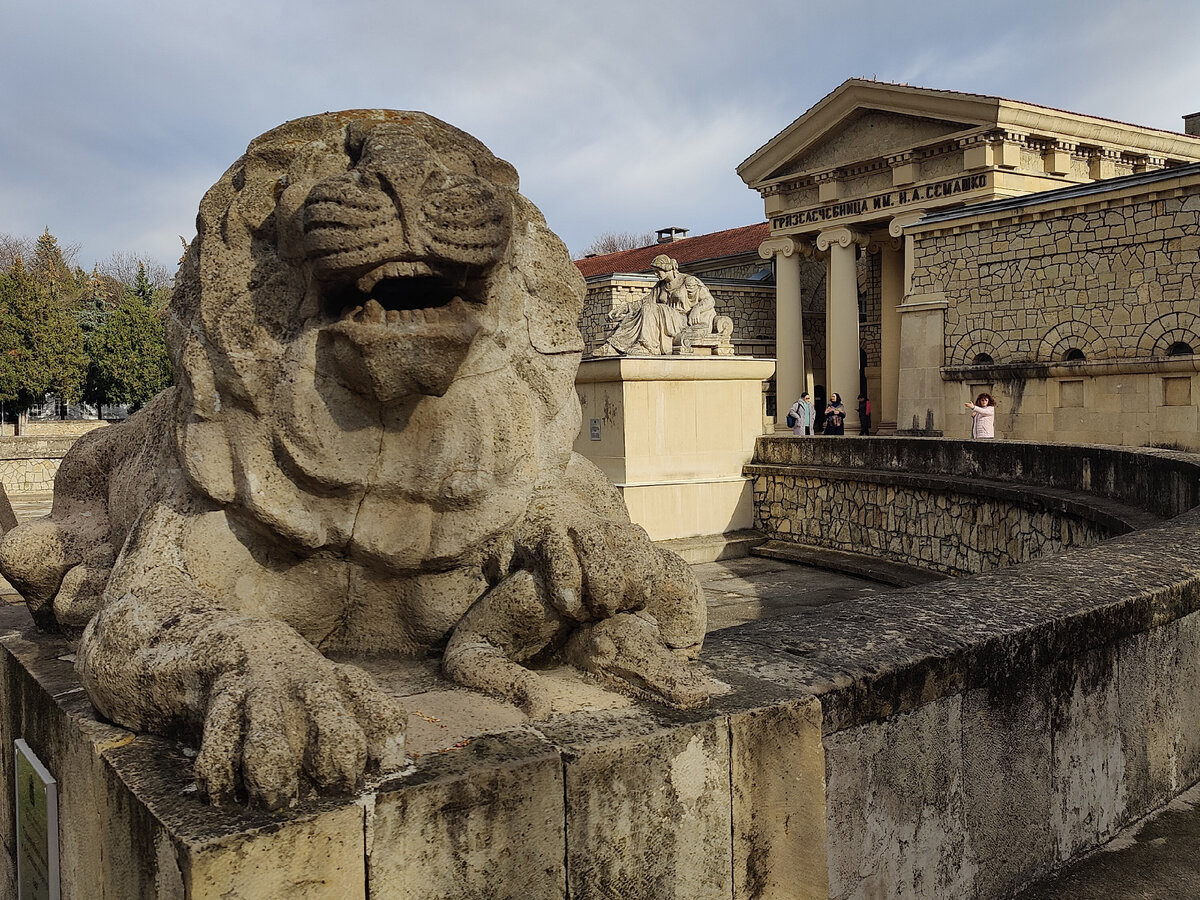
286 716
629 652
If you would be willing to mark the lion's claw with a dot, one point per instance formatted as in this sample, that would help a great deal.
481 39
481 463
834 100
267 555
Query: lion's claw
322 722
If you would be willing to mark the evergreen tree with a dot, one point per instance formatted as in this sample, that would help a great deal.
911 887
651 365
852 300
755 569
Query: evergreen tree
42 342
128 351
49 267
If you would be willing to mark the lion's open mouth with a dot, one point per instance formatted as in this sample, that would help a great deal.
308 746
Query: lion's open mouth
405 327
411 296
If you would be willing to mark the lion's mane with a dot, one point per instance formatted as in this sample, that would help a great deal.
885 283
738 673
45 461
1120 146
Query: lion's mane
267 421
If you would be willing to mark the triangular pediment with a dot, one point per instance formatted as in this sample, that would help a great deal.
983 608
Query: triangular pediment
868 134
862 121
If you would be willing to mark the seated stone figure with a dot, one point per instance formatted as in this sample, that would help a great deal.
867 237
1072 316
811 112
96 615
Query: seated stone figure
367 451
678 310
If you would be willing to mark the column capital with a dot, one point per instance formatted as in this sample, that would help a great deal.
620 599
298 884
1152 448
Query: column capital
878 244
899 223
784 246
842 236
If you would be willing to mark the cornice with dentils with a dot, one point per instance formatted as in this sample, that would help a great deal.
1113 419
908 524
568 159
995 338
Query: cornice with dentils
976 111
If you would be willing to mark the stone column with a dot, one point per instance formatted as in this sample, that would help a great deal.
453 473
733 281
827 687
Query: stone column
789 324
891 270
895 274
841 300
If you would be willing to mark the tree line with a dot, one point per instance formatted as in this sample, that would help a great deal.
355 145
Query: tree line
76 336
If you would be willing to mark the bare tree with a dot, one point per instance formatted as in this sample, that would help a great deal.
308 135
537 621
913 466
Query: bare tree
123 266
616 241
13 247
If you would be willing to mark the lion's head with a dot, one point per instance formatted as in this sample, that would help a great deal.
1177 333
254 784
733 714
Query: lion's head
374 337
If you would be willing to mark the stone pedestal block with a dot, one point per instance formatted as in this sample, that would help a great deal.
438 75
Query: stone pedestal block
673 434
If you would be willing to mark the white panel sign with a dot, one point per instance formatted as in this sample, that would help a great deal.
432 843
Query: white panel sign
37 827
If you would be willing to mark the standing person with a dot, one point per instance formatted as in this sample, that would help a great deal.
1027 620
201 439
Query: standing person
983 416
835 415
864 414
803 413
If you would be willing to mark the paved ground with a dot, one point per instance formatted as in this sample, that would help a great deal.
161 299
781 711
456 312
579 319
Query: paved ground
1156 859
743 590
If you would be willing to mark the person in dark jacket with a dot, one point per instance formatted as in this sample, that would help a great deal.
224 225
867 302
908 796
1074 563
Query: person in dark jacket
835 414
864 414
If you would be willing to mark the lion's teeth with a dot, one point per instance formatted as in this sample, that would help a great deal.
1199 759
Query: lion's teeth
373 312
432 316
418 317
393 316
406 316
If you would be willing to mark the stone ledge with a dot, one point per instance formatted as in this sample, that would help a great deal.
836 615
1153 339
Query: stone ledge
713 547
1163 482
860 564
1116 518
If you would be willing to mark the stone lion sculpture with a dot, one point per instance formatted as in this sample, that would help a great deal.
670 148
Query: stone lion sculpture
367 452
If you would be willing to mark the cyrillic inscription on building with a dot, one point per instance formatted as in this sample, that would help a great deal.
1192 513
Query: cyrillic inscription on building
880 202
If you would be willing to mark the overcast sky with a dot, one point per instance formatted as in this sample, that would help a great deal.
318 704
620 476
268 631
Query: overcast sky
619 116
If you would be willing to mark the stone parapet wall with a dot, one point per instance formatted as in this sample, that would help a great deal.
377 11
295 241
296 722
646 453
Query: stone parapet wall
28 464
932 525
61 427
959 739
1164 483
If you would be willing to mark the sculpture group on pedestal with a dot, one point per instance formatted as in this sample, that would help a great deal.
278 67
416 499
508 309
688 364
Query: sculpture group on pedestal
678 312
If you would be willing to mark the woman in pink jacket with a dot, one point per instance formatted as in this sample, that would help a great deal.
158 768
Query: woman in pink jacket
983 417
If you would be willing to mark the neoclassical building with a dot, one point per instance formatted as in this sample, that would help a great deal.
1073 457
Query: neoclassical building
926 245
982 243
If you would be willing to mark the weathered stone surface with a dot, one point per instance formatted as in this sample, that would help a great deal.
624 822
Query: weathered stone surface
896 813
367 451
648 814
484 823
779 821
1007 761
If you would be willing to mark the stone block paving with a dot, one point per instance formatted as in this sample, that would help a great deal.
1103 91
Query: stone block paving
747 589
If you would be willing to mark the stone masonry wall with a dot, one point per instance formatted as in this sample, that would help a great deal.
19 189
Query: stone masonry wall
1111 280
942 505
947 532
28 464
1114 283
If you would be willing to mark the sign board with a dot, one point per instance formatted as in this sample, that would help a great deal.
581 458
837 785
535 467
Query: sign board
594 429
37 827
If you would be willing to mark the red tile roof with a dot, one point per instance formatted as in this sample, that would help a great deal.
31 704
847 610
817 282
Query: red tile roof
731 242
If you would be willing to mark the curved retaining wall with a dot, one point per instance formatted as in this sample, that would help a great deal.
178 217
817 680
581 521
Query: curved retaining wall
981 732
961 507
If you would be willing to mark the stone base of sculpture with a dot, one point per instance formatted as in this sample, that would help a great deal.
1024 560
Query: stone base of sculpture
673 434
489 806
